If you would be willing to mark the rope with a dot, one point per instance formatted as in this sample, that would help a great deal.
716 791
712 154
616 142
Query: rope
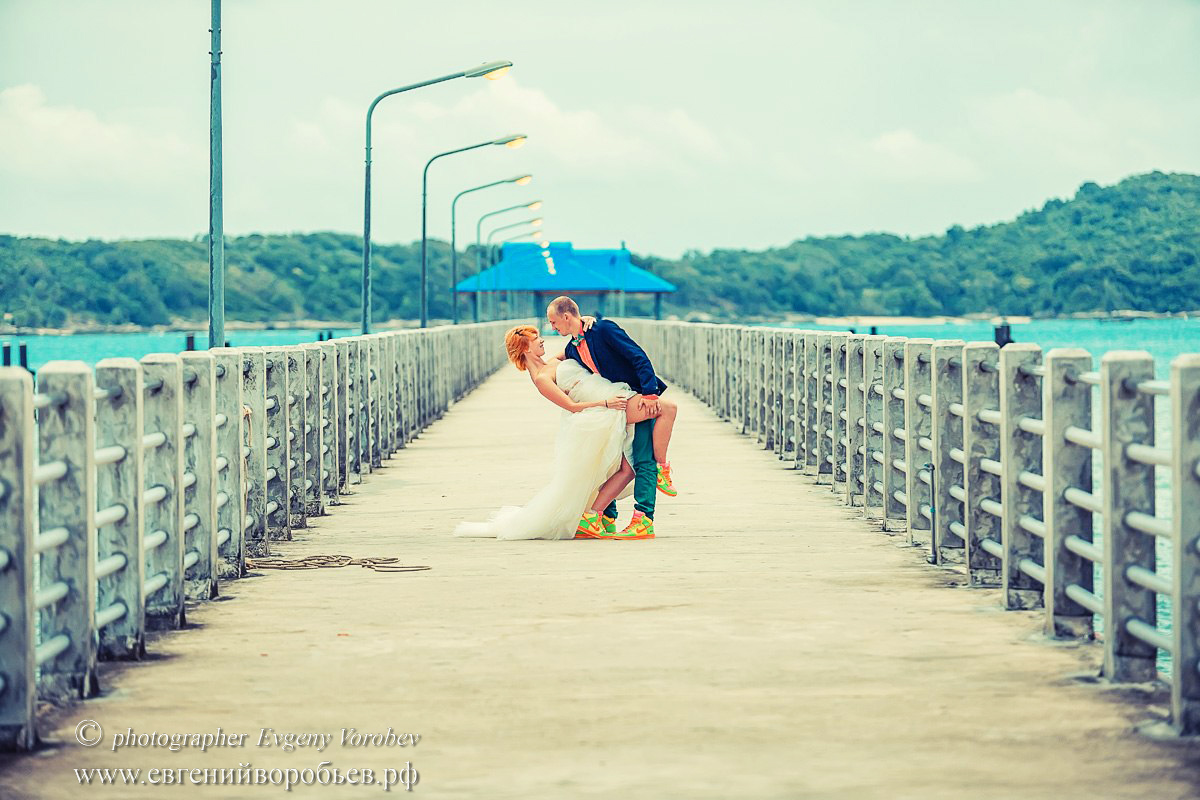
318 562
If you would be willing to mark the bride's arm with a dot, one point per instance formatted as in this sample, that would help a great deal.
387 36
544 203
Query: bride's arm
551 392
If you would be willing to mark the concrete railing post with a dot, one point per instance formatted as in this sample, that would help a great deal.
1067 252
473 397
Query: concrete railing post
1020 457
981 448
120 571
949 484
314 499
838 423
873 429
199 476
856 441
18 530
374 386
230 423
295 431
278 461
918 425
162 375
824 408
345 410
362 407
330 430
255 454
895 475
1185 537
1066 403
66 434
1127 416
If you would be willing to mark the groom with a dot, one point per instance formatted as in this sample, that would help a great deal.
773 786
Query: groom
606 349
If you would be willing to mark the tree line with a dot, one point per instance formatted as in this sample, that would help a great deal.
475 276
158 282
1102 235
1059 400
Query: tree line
1133 245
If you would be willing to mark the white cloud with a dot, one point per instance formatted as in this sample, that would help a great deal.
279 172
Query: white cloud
902 155
64 144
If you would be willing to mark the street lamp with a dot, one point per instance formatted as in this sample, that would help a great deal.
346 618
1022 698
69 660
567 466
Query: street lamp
531 206
491 71
520 180
513 142
535 222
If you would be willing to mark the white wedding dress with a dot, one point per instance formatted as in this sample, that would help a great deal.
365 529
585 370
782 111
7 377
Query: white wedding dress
588 450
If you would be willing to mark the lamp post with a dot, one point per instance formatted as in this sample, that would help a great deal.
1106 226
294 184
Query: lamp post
535 222
520 180
216 208
490 70
512 142
532 206
510 294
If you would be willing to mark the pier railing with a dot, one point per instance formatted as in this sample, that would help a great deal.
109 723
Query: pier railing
130 488
1034 472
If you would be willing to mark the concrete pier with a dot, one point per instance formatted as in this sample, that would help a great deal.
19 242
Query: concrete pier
769 644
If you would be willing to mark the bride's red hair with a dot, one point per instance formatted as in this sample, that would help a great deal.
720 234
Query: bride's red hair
517 342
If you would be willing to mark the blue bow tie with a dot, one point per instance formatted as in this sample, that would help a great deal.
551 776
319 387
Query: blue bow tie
577 340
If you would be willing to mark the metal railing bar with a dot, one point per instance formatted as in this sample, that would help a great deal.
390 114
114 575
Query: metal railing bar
925 400
155 583
1150 387
51 594
958 455
901 497
900 433
958 492
1084 500
1032 425
155 494
924 476
111 565
190 521
957 409
220 420
989 415
51 649
109 455
1148 523
1032 569
221 463
1084 549
154 539
189 430
992 547
1148 579
42 400
991 466
152 440
1031 480
107 616
223 536
899 393
189 480
190 559
958 529
1032 524
1085 598
113 514
925 443
991 507
1149 634
48 540
1082 437
52 471
1148 454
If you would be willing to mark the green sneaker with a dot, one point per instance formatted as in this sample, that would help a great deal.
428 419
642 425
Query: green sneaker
664 480
609 524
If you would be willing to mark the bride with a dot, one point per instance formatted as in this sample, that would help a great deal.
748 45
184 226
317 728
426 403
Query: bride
591 463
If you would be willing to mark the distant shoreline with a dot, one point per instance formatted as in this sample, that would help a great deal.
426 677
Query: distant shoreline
786 318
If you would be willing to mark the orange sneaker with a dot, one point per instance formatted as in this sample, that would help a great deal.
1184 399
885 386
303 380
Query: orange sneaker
640 527
589 526
664 480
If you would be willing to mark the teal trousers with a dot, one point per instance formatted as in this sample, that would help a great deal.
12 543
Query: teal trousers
645 471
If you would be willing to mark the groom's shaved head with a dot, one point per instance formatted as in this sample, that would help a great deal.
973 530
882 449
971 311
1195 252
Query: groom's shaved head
562 306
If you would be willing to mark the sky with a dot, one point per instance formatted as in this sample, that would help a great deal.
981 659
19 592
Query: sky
669 125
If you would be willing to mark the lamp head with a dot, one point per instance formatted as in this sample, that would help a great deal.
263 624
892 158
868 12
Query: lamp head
512 142
535 205
537 223
545 243
521 181
491 70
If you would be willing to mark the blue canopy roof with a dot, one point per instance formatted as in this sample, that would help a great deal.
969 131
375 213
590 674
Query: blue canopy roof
523 268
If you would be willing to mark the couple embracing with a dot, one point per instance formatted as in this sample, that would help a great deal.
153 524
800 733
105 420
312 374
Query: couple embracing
613 438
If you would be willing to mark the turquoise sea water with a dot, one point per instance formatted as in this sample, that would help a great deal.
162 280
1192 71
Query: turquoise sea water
91 347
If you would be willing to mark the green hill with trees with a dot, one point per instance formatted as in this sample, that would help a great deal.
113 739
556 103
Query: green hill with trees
1134 245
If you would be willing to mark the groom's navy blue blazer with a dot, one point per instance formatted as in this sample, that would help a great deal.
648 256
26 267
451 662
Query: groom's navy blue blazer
618 357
